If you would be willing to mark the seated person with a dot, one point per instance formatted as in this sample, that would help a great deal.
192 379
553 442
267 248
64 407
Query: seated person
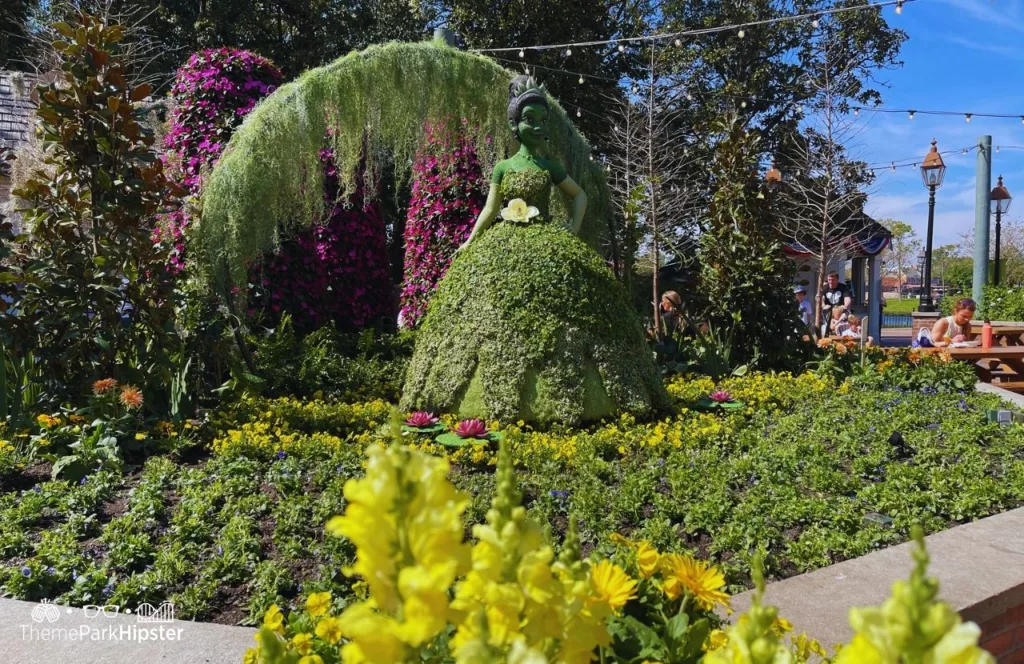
956 328
838 323
854 329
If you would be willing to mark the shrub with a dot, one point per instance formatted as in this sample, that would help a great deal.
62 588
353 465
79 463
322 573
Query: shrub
746 279
447 197
96 299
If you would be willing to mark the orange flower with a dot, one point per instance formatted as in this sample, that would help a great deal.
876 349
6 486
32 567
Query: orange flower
840 349
101 386
824 342
131 396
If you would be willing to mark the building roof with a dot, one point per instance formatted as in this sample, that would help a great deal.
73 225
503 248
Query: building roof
870 240
16 107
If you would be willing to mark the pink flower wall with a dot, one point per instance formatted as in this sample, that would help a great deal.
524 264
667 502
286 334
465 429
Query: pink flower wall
447 197
332 273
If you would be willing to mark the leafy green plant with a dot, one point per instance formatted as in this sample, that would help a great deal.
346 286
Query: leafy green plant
95 298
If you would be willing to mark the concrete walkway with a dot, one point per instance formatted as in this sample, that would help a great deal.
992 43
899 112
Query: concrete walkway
62 634
980 567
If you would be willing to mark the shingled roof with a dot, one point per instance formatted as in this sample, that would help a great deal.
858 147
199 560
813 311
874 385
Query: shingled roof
16 107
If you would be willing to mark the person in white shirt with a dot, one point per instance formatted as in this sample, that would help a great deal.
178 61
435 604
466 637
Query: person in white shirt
806 310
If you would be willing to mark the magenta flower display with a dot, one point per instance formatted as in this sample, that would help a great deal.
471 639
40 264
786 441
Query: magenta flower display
471 429
212 93
447 197
421 419
721 396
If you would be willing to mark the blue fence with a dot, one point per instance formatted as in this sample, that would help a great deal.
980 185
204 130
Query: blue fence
897 320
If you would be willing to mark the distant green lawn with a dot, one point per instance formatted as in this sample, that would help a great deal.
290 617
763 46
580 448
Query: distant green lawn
900 306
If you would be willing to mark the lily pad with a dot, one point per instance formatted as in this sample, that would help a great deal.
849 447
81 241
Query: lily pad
708 404
434 428
452 439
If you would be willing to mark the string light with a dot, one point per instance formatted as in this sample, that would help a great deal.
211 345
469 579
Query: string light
679 42
713 29
522 53
581 79
578 113
894 167
856 112
997 149
741 34
622 49
967 118
635 88
568 52
743 104
814 23
910 114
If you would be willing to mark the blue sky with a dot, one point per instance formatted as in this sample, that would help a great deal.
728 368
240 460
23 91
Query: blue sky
961 55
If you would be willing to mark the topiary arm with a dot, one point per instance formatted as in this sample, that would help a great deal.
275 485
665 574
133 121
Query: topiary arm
579 201
487 215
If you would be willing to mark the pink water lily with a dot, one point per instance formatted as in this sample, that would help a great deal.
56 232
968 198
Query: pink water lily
471 429
721 396
421 418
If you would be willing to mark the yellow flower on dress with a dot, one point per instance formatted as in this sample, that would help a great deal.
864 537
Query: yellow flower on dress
329 629
303 643
686 575
318 604
273 619
518 211
611 584
647 558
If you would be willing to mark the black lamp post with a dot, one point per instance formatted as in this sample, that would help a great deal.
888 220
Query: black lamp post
920 275
932 171
1000 202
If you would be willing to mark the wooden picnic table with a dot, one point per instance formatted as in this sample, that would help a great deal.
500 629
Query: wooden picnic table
987 362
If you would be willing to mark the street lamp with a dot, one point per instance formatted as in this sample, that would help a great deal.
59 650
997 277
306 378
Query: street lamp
932 171
1000 202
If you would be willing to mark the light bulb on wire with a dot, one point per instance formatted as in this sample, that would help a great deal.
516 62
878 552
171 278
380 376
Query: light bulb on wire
997 149
568 52
814 23
743 104
522 53
893 167
741 34
899 6
967 118
679 42
622 49
581 79
578 113
911 114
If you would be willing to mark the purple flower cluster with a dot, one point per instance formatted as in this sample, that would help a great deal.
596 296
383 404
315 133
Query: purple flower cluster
335 272
447 196
212 92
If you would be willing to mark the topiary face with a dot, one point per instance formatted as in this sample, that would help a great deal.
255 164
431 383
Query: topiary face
532 128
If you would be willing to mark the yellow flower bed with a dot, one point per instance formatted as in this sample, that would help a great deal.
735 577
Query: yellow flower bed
296 427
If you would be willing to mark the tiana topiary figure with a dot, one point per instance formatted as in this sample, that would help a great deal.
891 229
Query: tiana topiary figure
529 323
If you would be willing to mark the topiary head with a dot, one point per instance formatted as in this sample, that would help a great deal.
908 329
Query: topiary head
528 110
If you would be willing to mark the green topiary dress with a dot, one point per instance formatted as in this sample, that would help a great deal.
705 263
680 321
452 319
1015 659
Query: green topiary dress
529 323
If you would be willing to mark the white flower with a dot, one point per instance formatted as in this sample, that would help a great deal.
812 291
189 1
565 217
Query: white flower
519 211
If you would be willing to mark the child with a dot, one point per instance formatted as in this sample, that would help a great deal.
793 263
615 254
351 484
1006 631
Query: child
854 329
838 324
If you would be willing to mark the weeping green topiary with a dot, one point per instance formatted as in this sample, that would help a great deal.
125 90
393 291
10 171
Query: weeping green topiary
370 108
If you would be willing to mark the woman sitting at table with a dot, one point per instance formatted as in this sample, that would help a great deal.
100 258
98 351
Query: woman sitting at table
956 328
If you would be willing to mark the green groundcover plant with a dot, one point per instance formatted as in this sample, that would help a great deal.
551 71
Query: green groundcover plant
800 473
